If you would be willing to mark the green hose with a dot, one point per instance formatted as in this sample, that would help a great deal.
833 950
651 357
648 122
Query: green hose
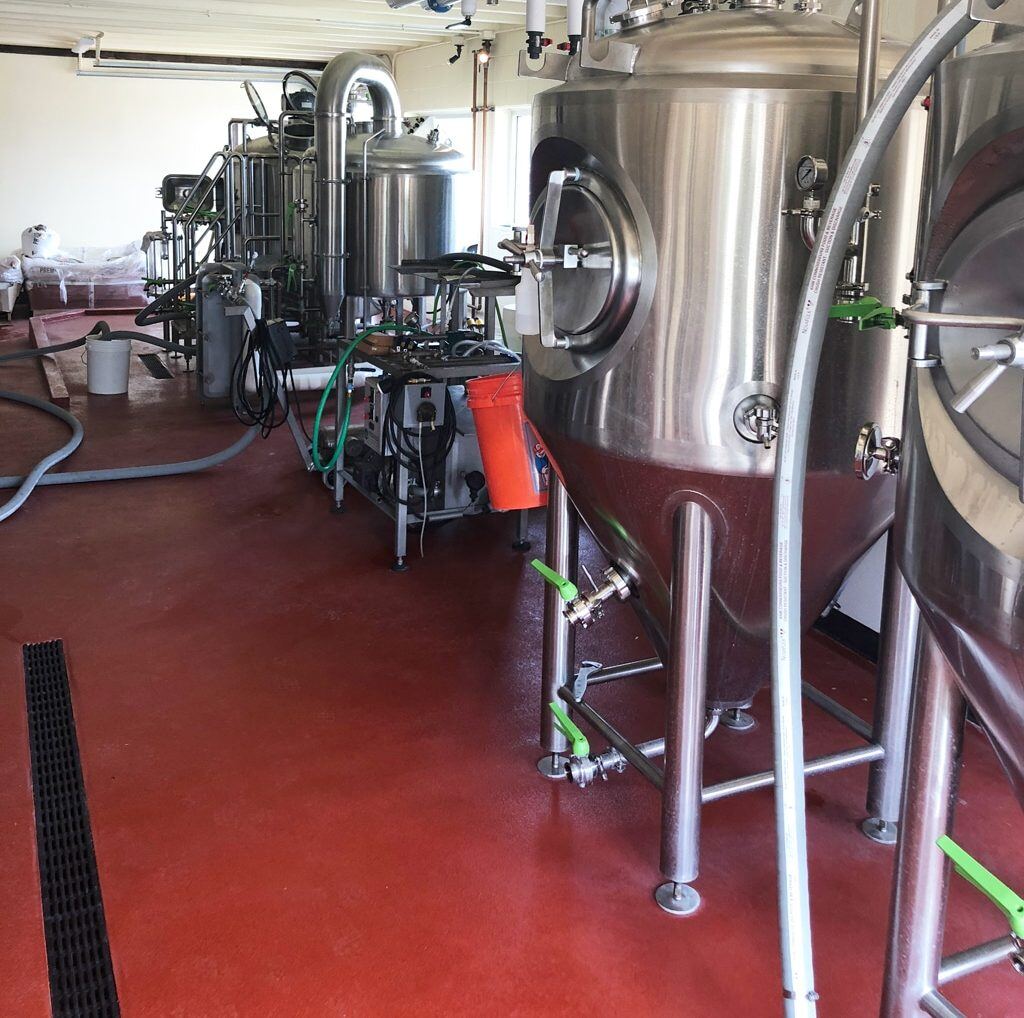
339 443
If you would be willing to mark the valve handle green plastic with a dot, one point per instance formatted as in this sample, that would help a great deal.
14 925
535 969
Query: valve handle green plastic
565 724
1008 902
869 313
566 588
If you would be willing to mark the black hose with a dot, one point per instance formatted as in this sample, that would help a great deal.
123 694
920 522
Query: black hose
472 256
148 315
107 334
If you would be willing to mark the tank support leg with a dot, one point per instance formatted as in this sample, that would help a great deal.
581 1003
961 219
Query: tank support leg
522 538
401 520
919 896
685 710
559 647
901 628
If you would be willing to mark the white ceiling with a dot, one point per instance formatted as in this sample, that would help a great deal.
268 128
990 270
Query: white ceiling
264 29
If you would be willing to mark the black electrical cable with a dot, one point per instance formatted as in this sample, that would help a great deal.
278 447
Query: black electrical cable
398 441
258 358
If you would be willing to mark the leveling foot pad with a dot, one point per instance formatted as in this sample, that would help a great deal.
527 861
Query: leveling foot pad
553 767
738 720
77 951
677 899
884 832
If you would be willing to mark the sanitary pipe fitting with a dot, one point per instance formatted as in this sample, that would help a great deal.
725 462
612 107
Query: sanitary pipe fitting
588 608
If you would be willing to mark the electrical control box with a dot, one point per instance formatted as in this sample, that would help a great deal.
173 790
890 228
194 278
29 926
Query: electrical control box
422 407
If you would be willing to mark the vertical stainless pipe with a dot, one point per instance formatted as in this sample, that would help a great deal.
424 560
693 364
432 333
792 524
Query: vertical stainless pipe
867 64
559 645
919 895
333 93
685 707
901 628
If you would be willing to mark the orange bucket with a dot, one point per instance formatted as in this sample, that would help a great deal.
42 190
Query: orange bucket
515 463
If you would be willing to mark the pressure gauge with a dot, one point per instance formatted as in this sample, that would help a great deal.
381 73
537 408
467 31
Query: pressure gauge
811 173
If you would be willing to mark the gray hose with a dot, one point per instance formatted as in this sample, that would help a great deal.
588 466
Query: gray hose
38 476
129 473
26 484
845 204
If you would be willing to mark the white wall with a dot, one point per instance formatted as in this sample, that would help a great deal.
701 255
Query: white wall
85 155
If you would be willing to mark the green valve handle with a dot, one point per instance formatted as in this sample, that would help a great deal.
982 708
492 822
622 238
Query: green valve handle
565 724
869 312
1008 902
566 588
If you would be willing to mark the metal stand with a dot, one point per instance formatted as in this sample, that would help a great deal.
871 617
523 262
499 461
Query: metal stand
919 899
684 710
559 648
401 519
522 541
900 636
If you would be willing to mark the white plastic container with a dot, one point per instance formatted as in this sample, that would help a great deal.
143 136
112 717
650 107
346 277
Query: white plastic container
527 305
108 362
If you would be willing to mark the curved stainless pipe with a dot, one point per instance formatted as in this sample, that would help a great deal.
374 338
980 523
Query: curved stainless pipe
333 93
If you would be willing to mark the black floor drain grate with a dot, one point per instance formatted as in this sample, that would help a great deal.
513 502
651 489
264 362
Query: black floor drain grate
154 365
77 951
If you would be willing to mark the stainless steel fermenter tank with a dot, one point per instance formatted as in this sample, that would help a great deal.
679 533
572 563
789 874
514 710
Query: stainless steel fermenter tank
962 496
674 312
960 513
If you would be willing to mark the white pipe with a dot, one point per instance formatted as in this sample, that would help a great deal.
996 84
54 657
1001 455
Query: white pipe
574 24
316 379
468 8
536 23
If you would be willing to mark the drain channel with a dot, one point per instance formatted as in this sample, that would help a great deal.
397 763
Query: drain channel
154 365
77 951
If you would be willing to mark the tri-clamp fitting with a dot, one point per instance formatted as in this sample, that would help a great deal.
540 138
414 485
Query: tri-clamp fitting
586 609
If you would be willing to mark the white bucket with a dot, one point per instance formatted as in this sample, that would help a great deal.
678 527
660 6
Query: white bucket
108 362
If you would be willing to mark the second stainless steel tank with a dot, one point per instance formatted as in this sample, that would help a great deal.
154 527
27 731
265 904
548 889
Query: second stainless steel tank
399 206
962 533
675 308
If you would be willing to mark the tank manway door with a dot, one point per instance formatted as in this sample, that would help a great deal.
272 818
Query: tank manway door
584 258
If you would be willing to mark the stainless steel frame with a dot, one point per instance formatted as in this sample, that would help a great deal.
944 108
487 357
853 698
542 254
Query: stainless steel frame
683 793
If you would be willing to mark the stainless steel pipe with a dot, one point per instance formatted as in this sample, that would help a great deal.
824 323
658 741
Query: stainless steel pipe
842 714
685 706
974 959
612 673
867 65
901 630
615 738
558 652
333 94
818 765
919 896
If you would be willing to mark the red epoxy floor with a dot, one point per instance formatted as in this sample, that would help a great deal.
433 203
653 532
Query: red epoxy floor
311 780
